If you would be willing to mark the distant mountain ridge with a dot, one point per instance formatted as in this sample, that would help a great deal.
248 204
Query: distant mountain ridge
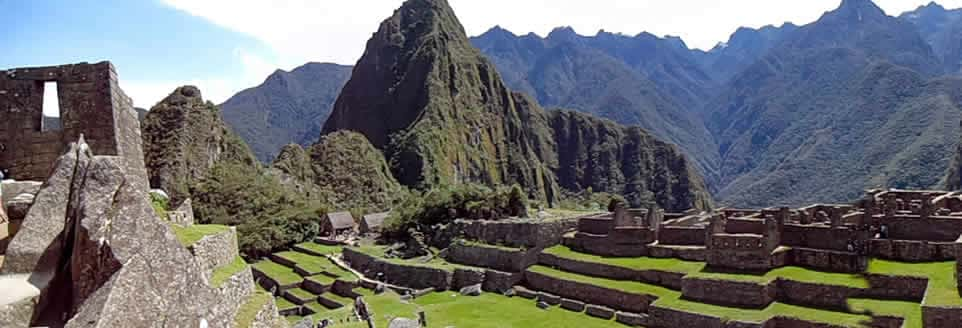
289 107
776 115
641 81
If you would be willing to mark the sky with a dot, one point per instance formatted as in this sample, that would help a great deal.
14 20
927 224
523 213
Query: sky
225 46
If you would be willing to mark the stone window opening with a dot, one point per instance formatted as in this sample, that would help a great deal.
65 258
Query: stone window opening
50 119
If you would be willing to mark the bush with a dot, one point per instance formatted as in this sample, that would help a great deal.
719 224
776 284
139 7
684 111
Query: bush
590 201
447 203
267 214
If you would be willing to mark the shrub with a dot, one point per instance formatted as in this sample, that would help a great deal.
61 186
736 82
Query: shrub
267 214
445 204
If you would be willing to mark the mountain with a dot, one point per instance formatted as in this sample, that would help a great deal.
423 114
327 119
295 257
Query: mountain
743 48
289 107
440 112
184 137
345 169
643 80
942 29
845 103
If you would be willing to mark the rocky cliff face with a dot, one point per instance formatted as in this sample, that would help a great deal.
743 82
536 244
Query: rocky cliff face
93 253
441 113
345 168
184 137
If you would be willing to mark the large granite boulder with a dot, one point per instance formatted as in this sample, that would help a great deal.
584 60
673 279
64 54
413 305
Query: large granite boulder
110 260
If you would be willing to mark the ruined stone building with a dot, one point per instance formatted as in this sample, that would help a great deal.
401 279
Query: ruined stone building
91 104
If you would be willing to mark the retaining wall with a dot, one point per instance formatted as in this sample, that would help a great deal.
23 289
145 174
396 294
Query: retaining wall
685 236
416 277
912 250
216 250
728 292
527 233
591 294
491 257
671 280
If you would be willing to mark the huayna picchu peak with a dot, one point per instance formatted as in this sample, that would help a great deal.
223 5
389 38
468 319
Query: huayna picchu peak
443 115
681 167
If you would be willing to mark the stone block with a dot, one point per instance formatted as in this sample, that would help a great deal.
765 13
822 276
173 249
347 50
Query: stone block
526 293
599 311
573 305
549 298
632 319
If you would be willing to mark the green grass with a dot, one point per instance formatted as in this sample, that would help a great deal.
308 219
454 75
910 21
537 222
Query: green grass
301 294
284 275
942 289
627 286
338 298
192 234
321 279
224 272
321 249
308 262
496 311
255 302
283 304
635 263
911 312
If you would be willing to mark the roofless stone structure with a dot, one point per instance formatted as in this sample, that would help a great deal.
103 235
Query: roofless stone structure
91 104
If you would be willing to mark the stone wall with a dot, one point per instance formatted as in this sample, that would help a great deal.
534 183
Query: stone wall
591 294
492 257
820 237
688 253
833 261
728 292
941 317
815 295
913 227
416 277
232 294
465 277
660 317
498 282
742 225
912 250
216 250
91 104
895 287
657 277
528 233
596 225
687 236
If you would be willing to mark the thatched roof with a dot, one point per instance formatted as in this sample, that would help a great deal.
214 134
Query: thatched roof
374 220
341 220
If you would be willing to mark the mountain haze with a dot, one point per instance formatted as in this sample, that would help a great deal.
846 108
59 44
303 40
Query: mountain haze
845 103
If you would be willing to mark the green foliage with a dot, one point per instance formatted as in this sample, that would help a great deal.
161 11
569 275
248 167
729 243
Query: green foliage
160 204
447 203
589 200
268 215
192 234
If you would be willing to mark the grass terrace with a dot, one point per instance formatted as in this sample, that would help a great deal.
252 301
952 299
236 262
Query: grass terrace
943 288
635 263
222 273
301 294
283 274
284 304
192 234
321 249
911 312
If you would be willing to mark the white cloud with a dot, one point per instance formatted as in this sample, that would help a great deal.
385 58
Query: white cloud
298 31
336 31
146 93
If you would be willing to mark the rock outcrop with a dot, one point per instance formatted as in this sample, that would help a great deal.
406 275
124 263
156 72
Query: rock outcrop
97 255
184 137
346 169
442 115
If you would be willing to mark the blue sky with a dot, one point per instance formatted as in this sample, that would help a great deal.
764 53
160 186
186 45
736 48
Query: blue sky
224 46
154 46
